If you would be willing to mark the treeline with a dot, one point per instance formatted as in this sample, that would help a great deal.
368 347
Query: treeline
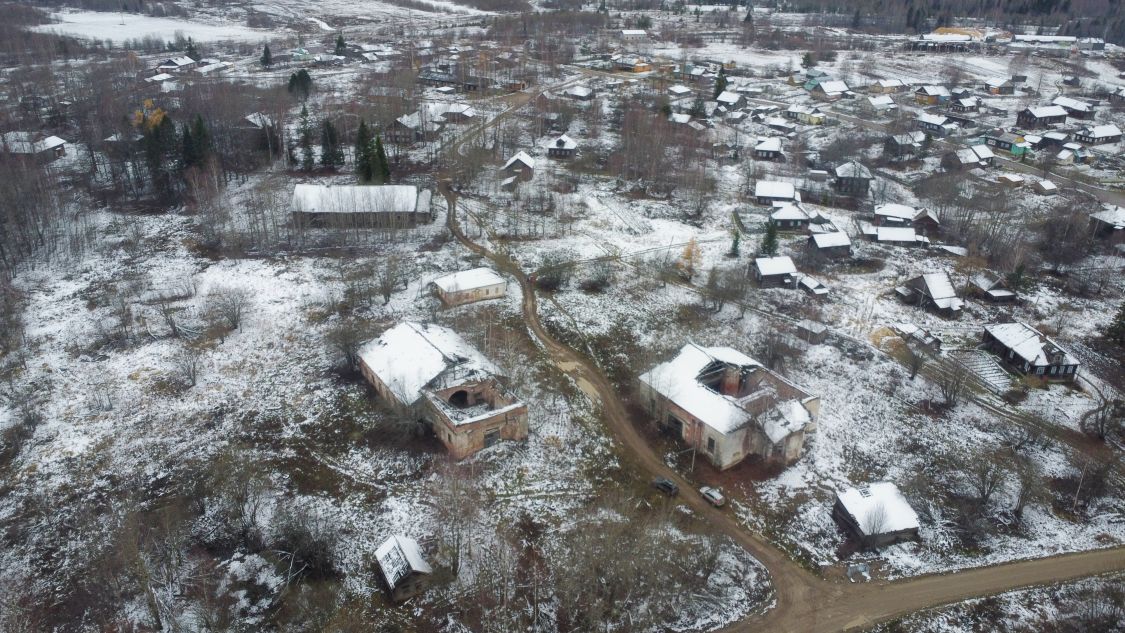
155 9
1093 18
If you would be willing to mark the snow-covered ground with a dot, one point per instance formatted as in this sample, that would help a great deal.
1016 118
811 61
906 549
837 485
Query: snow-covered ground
118 27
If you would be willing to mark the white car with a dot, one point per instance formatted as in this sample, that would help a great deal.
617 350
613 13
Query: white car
713 496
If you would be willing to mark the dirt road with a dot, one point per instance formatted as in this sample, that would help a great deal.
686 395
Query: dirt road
805 603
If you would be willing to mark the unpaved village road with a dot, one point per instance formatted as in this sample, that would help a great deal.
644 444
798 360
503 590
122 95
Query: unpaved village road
805 603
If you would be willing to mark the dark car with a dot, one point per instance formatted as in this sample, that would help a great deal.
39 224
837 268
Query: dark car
665 485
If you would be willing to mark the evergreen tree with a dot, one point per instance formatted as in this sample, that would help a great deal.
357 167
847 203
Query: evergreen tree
159 144
857 19
720 83
300 84
807 60
267 57
1115 331
769 242
331 154
735 243
363 167
191 52
381 169
305 141
749 13
202 139
189 156
341 45
698 108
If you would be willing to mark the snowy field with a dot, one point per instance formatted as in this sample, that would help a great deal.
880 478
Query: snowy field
117 27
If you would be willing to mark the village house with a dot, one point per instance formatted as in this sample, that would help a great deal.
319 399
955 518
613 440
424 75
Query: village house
895 235
768 192
1109 224
580 93
632 64
1000 86
36 147
521 165
1045 187
992 288
812 332
561 147
413 128
434 374
180 64
1118 95
852 179
904 146
967 104
886 86
830 90
931 95
768 149
728 406
934 291
1041 116
879 104
633 35
729 100
1075 108
387 206
469 286
404 570
805 114
790 217
1007 142
935 124
833 245
1029 352
969 157
1098 135
775 272
876 515
892 214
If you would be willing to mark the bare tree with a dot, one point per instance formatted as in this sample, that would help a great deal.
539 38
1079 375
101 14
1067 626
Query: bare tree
390 274
1029 484
345 339
984 475
229 305
952 384
876 521
187 362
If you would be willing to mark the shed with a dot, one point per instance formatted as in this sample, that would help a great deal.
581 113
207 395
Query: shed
876 515
402 566
812 332
835 244
774 271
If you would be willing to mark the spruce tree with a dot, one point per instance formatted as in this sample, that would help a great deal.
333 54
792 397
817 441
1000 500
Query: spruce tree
341 45
331 154
1115 331
307 159
363 168
736 240
720 83
380 167
189 157
191 51
202 139
769 242
267 57
749 14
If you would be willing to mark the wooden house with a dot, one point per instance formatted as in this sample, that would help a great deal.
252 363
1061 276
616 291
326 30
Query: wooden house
359 206
768 149
931 95
1075 108
1000 86
876 515
903 146
402 567
967 104
992 288
775 272
1027 351
33 147
1007 142
729 407
1041 116
1109 224
934 291
886 86
830 90
852 179
768 192
812 332
1098 135
834 245
521 165
562 147
790 217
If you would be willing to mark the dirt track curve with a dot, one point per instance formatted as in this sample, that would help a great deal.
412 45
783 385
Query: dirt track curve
805 603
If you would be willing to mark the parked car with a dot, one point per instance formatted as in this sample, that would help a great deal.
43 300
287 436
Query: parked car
665 485
713 496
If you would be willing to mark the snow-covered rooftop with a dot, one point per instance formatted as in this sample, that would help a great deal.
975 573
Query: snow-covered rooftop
878 507
410 356
469 280
774 189
781 265
310 198
521 157
829 240
1028 343
398 557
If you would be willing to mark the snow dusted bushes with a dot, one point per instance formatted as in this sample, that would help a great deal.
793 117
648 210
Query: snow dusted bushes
306 541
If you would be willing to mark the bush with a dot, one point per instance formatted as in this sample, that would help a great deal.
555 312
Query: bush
309 539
